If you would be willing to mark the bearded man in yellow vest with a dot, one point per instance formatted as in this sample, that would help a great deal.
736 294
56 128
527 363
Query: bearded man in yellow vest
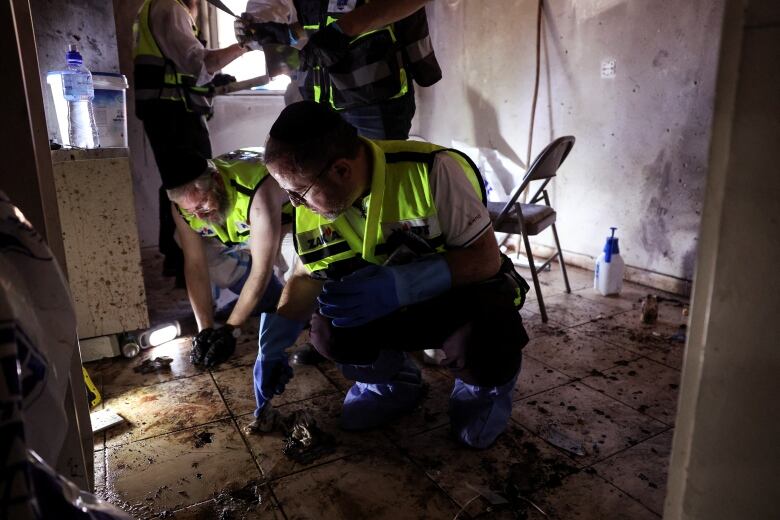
172 74
231 217
397 254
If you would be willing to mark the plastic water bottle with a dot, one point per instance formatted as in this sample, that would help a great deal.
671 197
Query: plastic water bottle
608 278
79 92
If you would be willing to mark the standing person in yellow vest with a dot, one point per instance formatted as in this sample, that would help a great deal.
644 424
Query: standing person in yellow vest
231 216
361 58
397 254
172 68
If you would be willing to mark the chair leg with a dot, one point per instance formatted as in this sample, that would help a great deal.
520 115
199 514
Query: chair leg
560 259
535 278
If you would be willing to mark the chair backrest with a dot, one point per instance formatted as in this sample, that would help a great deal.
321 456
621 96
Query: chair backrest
544 166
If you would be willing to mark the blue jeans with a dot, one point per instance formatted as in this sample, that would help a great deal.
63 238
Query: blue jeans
389 120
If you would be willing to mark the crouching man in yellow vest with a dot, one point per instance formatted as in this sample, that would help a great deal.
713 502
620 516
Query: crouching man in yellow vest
397 254
231 217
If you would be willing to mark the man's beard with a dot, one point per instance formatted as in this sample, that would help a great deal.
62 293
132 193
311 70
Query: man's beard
219 215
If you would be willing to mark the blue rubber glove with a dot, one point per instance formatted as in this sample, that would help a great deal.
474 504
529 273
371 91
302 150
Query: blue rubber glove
378 290
272 371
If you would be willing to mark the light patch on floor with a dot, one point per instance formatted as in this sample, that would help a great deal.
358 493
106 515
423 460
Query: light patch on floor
594 381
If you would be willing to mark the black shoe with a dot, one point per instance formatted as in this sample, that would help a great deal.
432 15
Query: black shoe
307 355
172 265
180 282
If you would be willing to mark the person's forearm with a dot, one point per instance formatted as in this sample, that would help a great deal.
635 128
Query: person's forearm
216 59
199 293
475 263
299 297
249 298
377 14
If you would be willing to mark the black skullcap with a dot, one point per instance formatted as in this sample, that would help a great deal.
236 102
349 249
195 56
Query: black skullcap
182 166
303 121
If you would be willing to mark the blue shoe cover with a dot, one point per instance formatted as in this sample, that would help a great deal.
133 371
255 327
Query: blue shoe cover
479 414
370 405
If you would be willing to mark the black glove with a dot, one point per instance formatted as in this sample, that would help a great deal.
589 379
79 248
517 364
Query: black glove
200 345
270 32
325 48
222 79
253 35
223 344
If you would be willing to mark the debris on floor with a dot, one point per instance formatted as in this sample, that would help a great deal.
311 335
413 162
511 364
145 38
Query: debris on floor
157 364
202 438
304 441
104 419
559 439
649 309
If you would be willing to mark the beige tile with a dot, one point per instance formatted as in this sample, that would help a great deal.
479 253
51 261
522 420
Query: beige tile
573 309
431 410
537 377
179 469
670 306
534 326
602 425
644 385
165 407
119 373
326 410
376 485
576 354
585 496
251 503
655 341
552 280
517 464
237 387
641 470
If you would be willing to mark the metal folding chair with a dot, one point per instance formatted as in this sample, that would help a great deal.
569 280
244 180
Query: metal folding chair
530 219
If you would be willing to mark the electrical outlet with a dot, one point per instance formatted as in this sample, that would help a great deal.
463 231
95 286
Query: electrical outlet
608 69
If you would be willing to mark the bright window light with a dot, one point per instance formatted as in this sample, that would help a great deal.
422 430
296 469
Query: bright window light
251 64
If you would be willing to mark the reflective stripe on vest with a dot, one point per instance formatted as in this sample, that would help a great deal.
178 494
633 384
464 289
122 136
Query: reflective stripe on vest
243 172
381 62
400 200
156 77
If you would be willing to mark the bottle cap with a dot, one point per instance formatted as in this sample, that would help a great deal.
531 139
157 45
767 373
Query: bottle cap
73 56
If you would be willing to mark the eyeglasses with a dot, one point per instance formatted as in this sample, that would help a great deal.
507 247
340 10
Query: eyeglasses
299 199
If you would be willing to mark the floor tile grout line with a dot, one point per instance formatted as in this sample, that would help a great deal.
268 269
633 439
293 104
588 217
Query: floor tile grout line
581 381
221 419
629 495
623 402
643 354
665 429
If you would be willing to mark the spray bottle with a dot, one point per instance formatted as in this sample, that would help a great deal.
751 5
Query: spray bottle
608 278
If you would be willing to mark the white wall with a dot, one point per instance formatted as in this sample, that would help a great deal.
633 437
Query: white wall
726 456
640 159
87 23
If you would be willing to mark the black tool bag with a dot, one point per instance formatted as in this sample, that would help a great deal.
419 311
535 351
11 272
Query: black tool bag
508 269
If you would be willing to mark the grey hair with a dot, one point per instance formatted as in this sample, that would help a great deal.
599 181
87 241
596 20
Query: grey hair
204 182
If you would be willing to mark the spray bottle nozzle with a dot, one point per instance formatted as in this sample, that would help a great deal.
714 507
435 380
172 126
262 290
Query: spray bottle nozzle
611 246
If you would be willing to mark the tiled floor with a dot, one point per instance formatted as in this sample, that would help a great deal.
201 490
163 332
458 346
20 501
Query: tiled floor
590 434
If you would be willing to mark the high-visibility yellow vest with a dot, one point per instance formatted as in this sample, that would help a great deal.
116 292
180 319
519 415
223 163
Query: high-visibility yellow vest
380 64
155 77
400 200
242 172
